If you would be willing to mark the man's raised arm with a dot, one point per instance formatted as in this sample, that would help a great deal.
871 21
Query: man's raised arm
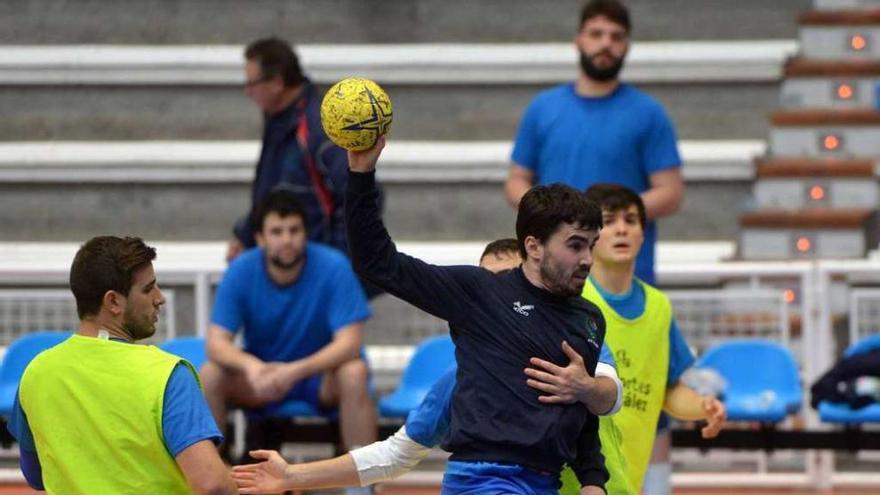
440 290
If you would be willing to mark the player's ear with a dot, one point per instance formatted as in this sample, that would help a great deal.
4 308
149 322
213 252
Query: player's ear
534 248
113 302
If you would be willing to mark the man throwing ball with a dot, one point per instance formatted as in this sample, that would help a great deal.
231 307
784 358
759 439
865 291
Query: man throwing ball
503 439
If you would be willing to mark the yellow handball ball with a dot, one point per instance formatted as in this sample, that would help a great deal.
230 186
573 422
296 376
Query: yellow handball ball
355 112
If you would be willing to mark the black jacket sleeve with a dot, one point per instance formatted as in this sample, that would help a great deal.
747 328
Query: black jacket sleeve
589 466
443 291
827 387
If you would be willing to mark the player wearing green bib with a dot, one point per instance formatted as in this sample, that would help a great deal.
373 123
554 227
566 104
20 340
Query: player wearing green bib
642 335
141 460
99 413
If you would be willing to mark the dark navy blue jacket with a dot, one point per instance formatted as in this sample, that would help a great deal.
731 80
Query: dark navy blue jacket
498 322
282 161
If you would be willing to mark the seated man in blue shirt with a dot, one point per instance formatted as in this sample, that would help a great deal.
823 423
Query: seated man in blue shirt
101 414
424 428
302 311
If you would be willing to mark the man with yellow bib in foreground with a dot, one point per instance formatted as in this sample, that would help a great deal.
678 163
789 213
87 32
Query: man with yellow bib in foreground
100 414
644 339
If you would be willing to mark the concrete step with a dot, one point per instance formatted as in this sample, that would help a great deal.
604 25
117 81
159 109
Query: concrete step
817 192
377 21
830 84
807 234
841 133
404 63
797 183
207 162
417 211
845 4
187 191
470 91
478 112
841 34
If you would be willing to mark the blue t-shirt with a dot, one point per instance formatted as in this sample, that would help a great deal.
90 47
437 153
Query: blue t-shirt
186 420
631 306
622 138
428 423
286 323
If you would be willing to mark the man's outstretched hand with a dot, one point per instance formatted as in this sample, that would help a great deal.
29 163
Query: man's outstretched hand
268 476
716 414
365 161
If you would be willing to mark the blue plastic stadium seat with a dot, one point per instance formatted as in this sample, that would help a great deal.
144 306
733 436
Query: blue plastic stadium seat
841 413
190 348
865 345
431 359
17 357
762 379
831 412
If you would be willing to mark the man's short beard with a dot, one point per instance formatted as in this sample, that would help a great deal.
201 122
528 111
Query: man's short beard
138 329
555 281
277 262
598 73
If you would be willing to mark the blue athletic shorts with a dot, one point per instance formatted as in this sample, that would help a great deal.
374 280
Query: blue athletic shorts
308 390
487 478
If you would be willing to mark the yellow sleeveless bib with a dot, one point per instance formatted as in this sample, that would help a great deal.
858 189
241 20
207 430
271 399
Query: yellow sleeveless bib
641 350
95 409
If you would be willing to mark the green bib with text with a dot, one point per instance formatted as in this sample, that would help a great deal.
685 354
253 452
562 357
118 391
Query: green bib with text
95 409
641 350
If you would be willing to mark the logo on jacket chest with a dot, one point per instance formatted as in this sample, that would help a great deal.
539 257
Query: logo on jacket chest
592 332
523 309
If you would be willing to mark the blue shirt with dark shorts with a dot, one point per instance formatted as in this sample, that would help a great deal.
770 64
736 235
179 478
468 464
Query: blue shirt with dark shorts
622 138
286 323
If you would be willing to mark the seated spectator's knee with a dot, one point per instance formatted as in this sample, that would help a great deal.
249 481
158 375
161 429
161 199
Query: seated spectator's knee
353 374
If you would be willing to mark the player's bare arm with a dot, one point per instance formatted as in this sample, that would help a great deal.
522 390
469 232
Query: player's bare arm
275 475
665 195
222 350
380 461
204 470
682 402
519 181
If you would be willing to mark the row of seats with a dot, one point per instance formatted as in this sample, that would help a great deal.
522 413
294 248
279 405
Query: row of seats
761 377
763 383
